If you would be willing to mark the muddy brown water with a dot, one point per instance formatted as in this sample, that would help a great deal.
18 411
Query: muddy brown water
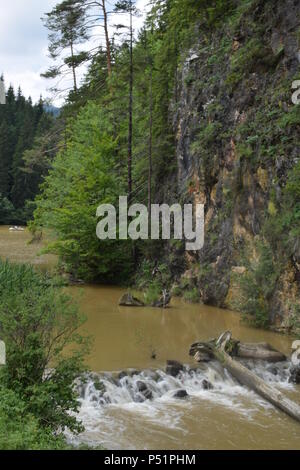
227 417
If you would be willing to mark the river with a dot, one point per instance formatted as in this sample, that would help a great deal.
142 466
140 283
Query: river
227 416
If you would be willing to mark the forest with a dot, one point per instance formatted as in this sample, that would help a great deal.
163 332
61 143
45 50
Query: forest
196 106
22 123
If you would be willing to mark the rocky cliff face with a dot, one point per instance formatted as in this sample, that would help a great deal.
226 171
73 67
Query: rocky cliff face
237 144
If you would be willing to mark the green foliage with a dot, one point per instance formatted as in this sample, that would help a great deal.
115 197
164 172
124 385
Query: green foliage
145 274
67 25
176 291
153 292
292 190
244 151
20 430
39 324
206 140
207 135
282 226
257 287
84 175
192 296
294 320
20 123
249 58
290 118
6 210
152 280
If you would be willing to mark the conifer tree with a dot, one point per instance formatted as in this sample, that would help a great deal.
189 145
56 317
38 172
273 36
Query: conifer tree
128 6
20 123
6 151
66 23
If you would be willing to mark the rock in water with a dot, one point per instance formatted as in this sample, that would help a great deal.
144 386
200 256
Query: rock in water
295 359
128 300
122 375
207 385
181 394
295 375
296 353
144 390
174 368
273 370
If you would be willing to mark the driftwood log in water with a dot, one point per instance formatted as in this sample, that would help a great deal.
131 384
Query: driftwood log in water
164 301
262 351
220 350
128 300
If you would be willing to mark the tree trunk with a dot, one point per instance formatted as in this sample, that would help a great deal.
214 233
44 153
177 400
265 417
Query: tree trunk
2 92
73 67
130 130
217 349
108 49
150 147
257 351
262 351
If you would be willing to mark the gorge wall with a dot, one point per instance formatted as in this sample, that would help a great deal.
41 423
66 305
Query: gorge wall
238 152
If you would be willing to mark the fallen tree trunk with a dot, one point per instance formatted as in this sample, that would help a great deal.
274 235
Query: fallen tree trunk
259 351
262 351
218 350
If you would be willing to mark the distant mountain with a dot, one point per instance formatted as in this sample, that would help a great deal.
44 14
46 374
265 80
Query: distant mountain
52 110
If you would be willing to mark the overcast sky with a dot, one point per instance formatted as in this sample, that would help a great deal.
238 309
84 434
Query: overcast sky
24 43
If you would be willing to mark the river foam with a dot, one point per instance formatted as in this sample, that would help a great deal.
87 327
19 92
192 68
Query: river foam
116 405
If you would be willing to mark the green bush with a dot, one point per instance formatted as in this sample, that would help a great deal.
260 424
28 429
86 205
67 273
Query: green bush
257 286
205 137
39 322
192 296
290 118
294 320
153 292
282 227
144 276
20 430
176 291
153 280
